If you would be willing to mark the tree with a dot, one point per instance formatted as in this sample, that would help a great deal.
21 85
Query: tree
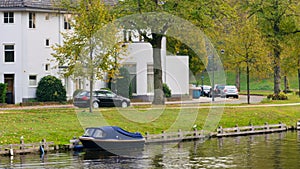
3 89
245 47
291 62
91 50
277 20
50 88
153 26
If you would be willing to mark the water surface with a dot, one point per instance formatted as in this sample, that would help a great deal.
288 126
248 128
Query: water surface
277 150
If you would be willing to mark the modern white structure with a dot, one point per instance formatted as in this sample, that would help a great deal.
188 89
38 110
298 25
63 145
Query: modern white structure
28 29
139 62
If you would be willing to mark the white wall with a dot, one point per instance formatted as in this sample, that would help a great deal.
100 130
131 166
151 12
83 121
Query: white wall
177 74
175 70
139 54
31 53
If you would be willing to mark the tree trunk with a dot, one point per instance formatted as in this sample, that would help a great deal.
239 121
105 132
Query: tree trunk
299 82
299 75
91 94
158 84
238 77
277 76
248 82
91 78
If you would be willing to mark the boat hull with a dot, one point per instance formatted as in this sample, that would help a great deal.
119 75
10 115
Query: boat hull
114 146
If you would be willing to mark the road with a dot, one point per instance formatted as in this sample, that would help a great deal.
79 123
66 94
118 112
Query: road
242 99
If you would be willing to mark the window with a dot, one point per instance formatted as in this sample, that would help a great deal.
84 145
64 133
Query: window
47 16
67 20
88 132
9 53
47 67
132 71
110 94
150 78
32 80
98 133
8 17
31 20
47 43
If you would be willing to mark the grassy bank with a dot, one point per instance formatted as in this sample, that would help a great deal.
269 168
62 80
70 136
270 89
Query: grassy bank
60 125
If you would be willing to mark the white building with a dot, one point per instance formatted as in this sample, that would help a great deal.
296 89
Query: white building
140 65
28 29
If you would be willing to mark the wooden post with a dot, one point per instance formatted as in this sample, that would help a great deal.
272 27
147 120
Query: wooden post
267 126
195 133
252 127
44 144
147 135
179 133
11 151
298 124
163 135
237 128
22 143
281 125
220 130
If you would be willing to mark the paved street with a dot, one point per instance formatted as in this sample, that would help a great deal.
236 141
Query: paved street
218 100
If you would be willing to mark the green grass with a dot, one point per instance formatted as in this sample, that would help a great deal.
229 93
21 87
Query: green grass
52 124
60 125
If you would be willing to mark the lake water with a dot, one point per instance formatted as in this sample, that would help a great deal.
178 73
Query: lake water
277 150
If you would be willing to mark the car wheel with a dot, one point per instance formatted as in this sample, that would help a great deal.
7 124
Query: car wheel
95 105
124 104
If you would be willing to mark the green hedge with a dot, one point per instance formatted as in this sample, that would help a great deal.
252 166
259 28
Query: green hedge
167 90
3 89
50 88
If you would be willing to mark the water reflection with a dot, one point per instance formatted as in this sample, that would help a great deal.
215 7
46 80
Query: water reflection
278 150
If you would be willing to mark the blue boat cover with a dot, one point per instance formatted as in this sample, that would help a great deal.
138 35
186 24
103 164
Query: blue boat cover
126 133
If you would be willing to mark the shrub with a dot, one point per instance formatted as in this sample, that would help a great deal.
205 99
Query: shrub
280 96
3 88
50 88
167 90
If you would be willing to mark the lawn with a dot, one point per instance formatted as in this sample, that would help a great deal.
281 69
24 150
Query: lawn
60 125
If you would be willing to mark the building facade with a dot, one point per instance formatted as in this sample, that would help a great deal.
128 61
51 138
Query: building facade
28 29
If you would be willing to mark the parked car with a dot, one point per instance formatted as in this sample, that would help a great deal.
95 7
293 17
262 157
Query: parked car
229 91
101 98
205 90
217 90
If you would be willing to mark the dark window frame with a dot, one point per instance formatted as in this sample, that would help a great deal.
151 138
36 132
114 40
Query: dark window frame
9 53
8 17
32 20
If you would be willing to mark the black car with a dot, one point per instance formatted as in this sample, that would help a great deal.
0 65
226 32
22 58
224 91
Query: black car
101 98
205 90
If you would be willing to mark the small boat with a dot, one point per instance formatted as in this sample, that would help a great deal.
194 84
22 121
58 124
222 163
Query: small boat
112 139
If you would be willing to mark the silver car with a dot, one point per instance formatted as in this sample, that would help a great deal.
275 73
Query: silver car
229 91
